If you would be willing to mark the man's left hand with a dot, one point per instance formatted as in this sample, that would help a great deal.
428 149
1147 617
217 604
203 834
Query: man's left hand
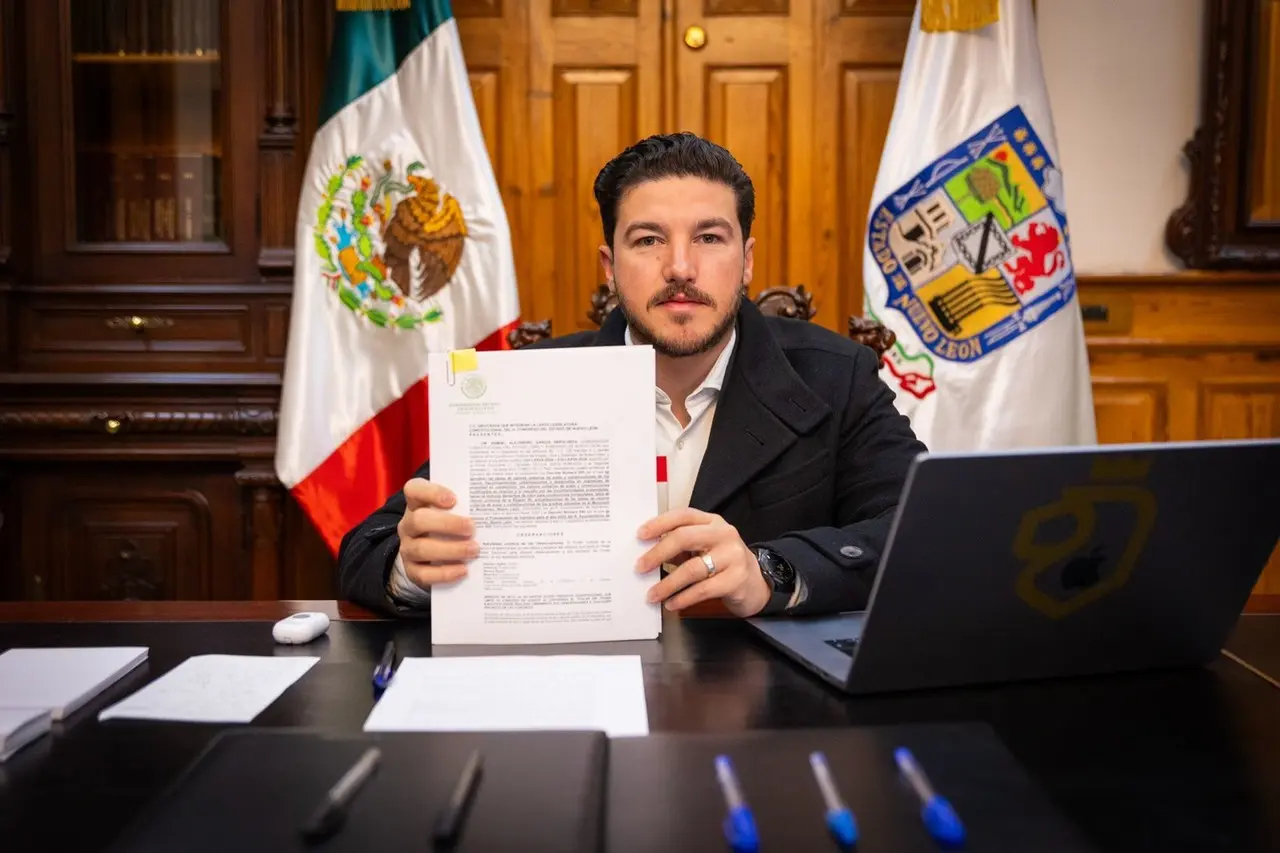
687 535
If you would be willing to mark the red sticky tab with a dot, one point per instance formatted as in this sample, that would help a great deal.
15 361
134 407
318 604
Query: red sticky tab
662 469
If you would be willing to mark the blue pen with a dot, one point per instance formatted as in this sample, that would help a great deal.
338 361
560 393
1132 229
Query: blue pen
740 825
382 672
939 817
839 818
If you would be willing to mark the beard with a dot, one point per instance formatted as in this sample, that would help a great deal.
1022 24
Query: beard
680 347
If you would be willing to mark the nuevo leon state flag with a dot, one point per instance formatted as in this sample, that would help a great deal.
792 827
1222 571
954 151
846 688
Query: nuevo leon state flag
968 252
402 248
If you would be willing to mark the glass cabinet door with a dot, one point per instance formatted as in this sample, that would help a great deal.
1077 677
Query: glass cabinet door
147 107
144 139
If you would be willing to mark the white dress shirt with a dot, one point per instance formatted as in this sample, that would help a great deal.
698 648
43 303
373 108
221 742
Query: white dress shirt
683 446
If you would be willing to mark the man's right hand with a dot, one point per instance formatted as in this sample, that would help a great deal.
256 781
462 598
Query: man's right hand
435 543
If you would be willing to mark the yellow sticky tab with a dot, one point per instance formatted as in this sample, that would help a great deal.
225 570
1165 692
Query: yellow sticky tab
464 360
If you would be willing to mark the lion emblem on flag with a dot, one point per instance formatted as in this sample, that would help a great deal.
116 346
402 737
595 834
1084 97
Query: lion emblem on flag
974 248
388 242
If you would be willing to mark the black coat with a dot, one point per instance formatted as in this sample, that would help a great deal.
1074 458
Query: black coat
807 455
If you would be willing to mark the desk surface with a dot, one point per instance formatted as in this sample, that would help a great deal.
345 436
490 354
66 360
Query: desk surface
1177 760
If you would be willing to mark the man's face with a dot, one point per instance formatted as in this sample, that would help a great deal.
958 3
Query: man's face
678 263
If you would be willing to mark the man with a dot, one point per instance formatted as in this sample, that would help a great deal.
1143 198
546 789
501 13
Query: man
785 454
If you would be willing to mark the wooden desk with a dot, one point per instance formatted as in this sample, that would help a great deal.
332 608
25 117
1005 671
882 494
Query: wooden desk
1152 761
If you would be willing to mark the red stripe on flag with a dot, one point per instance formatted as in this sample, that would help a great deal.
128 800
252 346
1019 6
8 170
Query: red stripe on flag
662 469
374 462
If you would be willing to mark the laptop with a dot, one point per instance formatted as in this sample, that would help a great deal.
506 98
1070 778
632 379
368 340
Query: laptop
1027 564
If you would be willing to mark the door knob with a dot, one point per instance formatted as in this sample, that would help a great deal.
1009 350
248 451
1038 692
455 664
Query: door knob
695 37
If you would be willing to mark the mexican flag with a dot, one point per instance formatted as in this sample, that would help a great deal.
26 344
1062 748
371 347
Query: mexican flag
403 248
968 253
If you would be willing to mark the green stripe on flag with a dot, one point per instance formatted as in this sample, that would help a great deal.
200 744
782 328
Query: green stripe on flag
368 47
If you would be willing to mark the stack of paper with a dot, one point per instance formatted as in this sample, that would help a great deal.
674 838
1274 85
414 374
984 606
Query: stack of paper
62 679
38 686
21 726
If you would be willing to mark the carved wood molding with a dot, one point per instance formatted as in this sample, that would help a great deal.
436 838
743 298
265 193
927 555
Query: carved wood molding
278 163
257 478
1211 229
281 74
243 422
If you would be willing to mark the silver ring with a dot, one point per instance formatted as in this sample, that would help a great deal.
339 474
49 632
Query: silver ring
710 564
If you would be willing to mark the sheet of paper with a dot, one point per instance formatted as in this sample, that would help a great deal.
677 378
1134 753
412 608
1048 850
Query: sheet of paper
515 693
553 454
213 689
62 679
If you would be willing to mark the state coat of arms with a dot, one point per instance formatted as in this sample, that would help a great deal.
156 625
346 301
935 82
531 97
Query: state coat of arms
388 242
974 248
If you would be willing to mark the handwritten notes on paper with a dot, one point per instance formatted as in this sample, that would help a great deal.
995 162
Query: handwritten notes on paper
213 689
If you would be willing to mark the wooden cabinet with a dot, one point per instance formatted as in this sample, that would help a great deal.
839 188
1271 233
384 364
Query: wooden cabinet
1186 358
150 158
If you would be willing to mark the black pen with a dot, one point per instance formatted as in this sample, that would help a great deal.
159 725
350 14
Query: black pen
449 824
333 811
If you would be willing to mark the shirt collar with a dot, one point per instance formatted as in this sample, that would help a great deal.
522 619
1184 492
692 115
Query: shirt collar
714 380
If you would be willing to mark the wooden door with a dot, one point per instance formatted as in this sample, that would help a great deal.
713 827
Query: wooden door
801 91
595 77
744 76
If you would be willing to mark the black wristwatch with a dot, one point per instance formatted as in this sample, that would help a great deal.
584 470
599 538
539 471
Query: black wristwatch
780 576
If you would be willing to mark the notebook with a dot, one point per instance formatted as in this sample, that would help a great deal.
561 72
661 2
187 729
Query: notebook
21 726
63 679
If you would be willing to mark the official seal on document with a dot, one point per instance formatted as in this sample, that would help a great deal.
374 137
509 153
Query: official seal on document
974 247
473 386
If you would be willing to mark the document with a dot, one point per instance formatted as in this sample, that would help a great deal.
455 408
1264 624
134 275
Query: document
515 693
552 453
213 689
63 679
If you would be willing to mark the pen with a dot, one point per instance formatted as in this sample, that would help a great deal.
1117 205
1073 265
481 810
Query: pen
740 825
333 811
449 823
939 817
839 818
382 672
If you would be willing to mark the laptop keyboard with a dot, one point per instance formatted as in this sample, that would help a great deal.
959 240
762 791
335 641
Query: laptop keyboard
845 644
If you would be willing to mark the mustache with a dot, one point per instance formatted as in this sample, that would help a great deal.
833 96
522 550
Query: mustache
688 291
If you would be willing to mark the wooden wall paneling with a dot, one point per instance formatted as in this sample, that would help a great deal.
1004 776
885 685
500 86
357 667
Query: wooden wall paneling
308 570
1130 410
595 84
494 39
279 167
12 586
7 66
118 533
1244 407
859 45
263 526
744 75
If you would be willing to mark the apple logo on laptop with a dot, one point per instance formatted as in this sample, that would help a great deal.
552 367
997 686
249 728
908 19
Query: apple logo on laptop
1083 572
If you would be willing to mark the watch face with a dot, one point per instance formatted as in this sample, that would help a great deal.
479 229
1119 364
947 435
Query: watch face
777 570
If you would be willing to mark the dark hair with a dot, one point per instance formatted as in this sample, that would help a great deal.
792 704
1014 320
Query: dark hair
672 155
